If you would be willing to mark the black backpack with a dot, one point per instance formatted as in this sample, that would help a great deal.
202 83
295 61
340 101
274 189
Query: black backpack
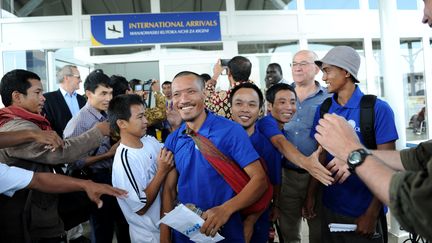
367 118
367 129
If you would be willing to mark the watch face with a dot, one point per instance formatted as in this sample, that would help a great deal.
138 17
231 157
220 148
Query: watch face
355 157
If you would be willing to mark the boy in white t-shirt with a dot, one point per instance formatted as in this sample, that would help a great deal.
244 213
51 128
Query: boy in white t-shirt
140 166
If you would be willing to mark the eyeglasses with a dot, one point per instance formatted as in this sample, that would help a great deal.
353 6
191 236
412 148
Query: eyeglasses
301 64
76 76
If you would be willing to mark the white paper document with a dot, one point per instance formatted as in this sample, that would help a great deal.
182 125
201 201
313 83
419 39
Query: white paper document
188 223
342 227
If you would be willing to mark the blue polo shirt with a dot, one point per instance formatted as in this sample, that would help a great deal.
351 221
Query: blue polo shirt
352 197
272 159
269 127
198 182
299 128
269 153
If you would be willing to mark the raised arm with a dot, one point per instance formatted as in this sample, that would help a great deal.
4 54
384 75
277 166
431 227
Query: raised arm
54 183
50 138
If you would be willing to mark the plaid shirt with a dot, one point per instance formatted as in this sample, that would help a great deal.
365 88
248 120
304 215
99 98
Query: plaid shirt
218 101
86 119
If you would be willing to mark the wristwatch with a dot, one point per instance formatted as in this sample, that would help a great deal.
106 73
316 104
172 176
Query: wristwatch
356 158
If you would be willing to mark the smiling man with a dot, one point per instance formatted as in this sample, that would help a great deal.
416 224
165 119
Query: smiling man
274 75
351 201
246 105
195 180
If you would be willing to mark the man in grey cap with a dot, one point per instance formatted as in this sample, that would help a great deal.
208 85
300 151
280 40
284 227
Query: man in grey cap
350 201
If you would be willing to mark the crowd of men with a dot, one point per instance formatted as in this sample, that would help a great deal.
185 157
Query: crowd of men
245 158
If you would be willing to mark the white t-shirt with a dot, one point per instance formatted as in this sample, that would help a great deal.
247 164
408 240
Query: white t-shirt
13 179
133 169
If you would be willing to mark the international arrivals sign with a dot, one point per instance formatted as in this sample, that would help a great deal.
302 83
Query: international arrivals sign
155 28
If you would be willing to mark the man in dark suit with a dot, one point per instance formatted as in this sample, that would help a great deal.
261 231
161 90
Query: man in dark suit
61 105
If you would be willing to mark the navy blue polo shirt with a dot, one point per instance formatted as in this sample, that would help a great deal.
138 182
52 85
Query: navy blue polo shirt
198 182
269 153
352 197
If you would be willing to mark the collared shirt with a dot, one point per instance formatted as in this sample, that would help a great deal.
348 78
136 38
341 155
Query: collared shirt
71 101
13 179
352 198
298 129
283 81
87 118
198 182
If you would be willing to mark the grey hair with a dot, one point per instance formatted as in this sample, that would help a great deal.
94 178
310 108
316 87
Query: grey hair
309 53
65 71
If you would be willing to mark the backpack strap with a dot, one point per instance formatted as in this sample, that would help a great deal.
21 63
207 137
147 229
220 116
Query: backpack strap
325 106
367 120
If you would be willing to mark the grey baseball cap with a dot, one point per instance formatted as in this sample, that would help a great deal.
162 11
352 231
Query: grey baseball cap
344 57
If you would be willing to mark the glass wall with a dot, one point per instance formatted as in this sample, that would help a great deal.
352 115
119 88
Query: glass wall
332 4
34 61
376 68
412 66
115 6
192 5
265 5
263 53
401 4
32 8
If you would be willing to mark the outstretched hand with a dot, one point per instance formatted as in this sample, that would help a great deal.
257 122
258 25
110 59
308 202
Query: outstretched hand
316 169
340 170
96 190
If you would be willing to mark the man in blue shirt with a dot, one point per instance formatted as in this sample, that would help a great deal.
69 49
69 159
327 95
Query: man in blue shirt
246 104
295 181
99 162
350 201
195 180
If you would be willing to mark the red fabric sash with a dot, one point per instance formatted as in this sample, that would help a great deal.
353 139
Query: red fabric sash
11 112
235 176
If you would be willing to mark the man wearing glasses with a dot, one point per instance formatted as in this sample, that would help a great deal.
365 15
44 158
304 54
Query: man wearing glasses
61 105
294 179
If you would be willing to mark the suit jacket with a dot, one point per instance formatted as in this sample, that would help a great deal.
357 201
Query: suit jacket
56 110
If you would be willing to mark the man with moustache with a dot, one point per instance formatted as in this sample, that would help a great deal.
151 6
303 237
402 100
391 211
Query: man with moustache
194 180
